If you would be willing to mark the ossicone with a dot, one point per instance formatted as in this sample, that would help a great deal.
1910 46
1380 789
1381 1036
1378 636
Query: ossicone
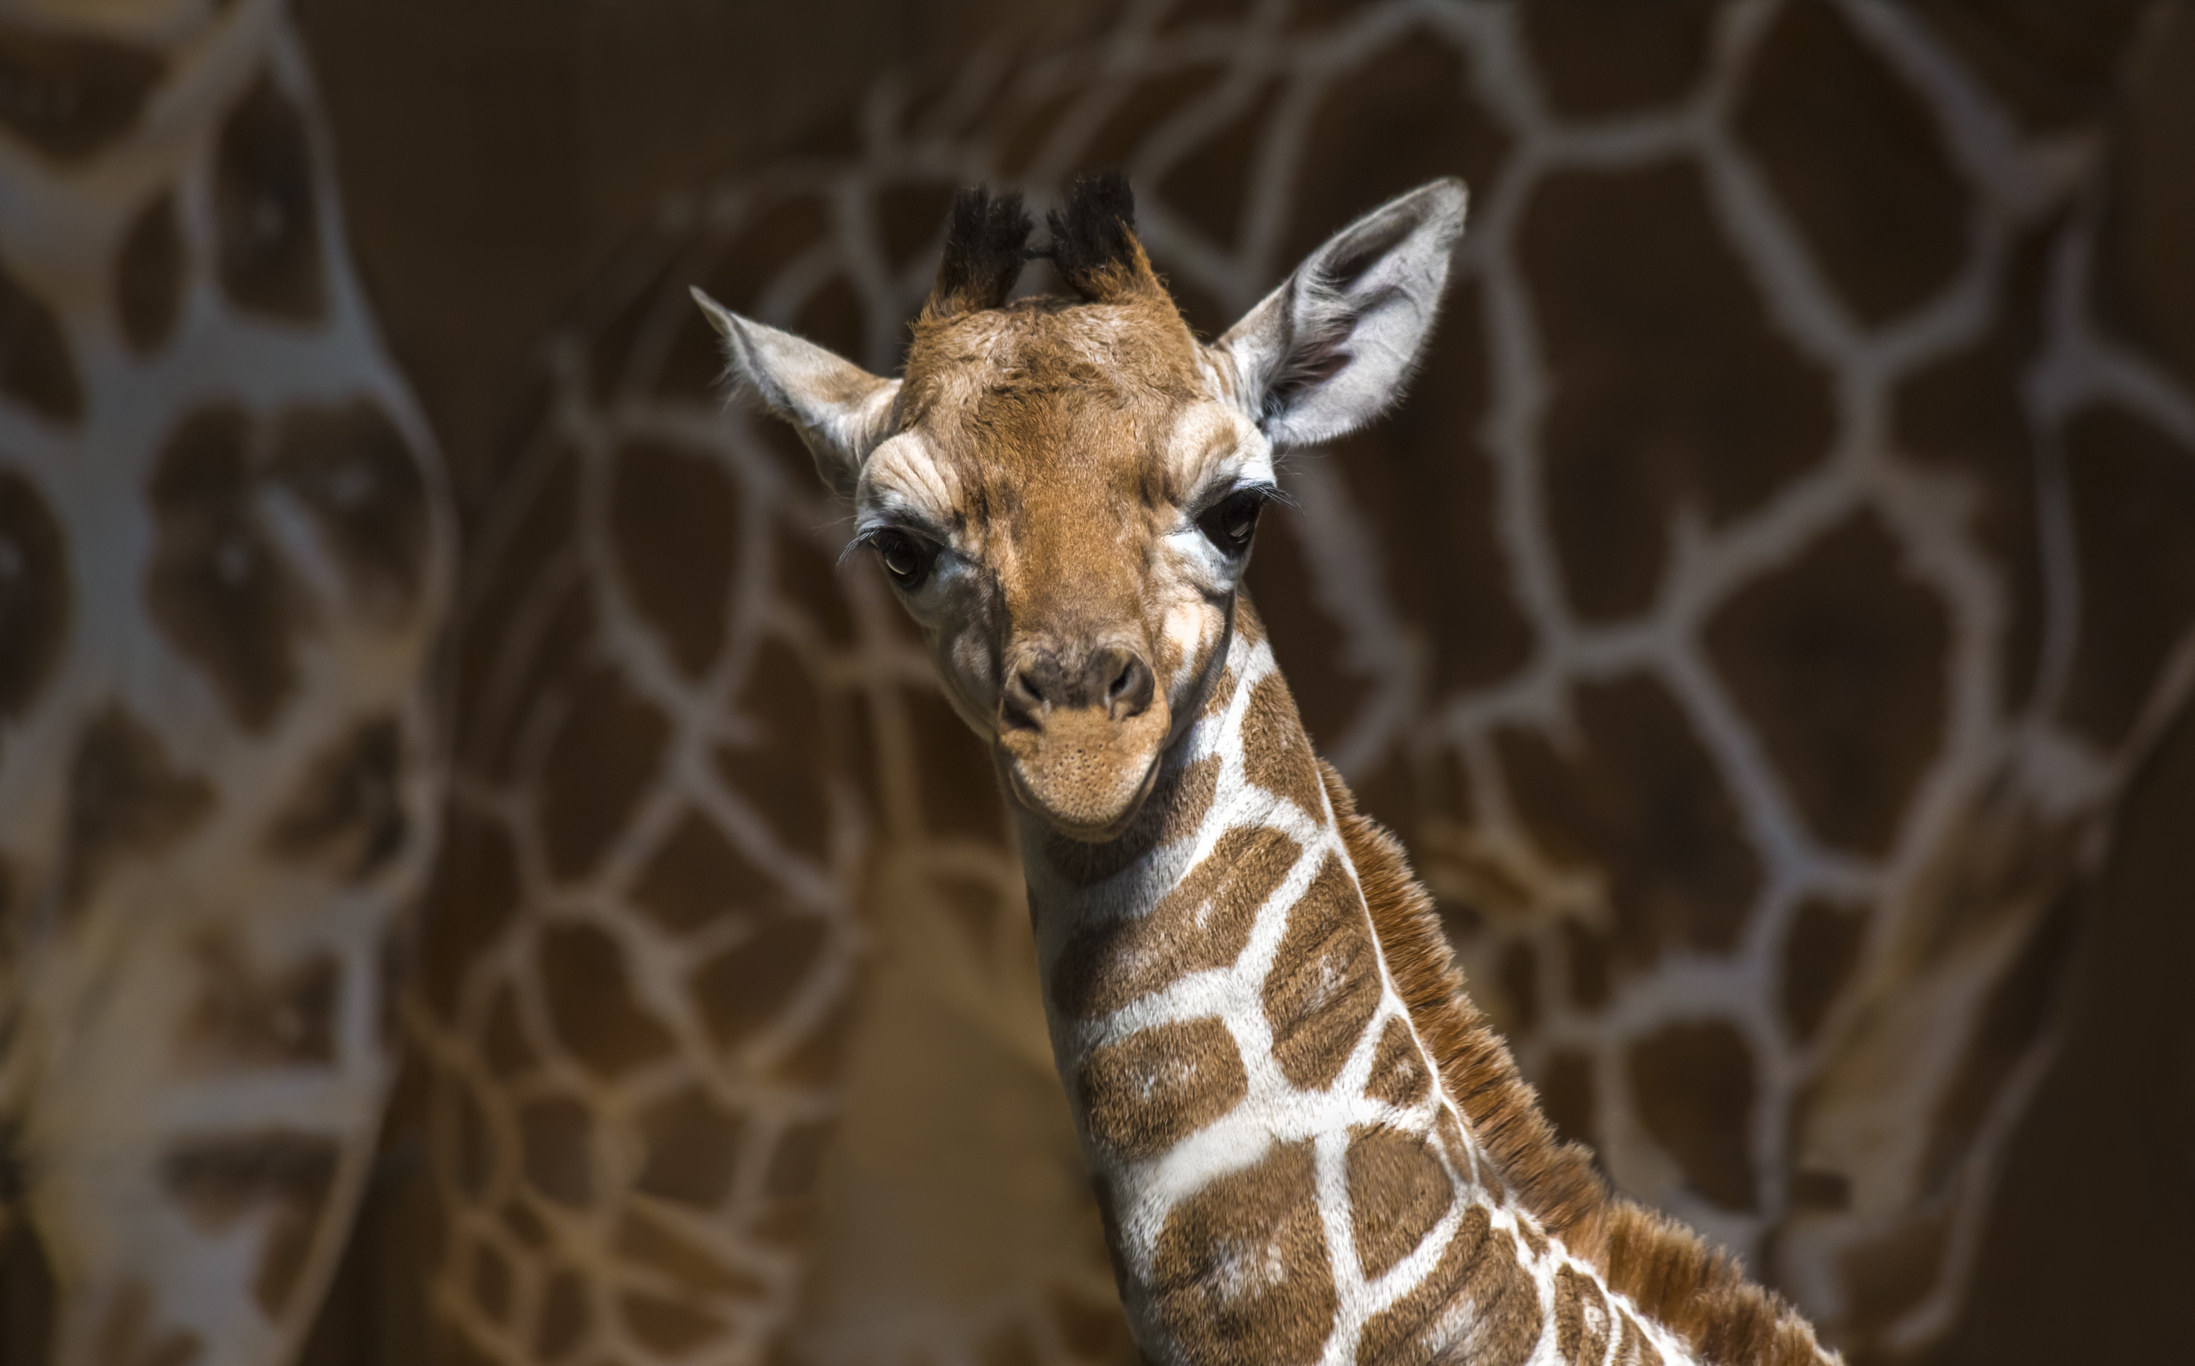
986 245
1094 241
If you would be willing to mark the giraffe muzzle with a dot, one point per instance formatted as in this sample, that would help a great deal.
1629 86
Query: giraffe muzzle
1081 734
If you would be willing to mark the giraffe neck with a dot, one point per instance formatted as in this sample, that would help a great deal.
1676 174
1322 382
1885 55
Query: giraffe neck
1284 1173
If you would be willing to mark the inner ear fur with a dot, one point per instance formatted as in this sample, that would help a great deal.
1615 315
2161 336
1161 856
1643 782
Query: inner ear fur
841 411
1334 346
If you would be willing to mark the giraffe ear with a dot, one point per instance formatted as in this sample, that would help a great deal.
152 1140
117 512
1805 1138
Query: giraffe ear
1334 345
841 411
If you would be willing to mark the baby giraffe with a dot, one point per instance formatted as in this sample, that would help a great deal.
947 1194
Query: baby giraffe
1308 1145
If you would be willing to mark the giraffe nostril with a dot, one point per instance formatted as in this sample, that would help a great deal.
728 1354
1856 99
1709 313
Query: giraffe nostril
1111 679
1023 702
1130 685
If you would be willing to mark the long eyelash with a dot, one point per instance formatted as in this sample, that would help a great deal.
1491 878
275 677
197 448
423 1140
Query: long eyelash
1282 460
862 541
865 538
1273 494
845 521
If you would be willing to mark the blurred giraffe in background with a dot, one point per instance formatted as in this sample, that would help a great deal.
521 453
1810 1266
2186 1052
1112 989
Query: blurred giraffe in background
1749 626
225 554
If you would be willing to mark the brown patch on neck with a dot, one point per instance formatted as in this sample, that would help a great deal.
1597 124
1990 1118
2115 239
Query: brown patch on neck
1276 754
1694 1291
1203 923
1398 1071
1149 1091
1323 988
1581 1318
1479 1267
1398 1191
1283 1309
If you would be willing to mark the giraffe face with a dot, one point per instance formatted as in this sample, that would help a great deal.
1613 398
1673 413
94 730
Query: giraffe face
1067 512
1063 491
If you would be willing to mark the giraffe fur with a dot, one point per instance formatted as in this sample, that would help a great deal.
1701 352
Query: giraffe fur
1064 499
1699 1291
1528 756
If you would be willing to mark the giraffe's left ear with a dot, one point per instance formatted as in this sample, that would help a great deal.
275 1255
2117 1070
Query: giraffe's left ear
1333 346
841 411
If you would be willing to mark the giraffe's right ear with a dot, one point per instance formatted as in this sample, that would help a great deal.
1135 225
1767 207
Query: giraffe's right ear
841 411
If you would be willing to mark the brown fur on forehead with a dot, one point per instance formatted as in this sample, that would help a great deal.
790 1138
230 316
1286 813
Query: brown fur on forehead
1053 415
1046 360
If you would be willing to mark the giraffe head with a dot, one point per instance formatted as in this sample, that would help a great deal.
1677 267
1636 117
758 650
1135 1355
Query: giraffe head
1063 490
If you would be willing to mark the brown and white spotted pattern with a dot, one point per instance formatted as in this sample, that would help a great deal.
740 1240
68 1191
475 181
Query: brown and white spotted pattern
1752 618
1282 1092
224 557
1285 1179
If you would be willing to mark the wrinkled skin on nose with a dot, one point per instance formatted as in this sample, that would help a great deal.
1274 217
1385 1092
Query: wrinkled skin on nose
1081 729
1082 710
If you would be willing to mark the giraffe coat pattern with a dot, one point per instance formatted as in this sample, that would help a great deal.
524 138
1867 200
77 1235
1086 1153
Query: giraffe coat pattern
1226 1000
1684 867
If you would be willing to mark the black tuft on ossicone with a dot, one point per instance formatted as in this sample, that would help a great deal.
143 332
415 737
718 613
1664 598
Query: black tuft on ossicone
985 248
1094 237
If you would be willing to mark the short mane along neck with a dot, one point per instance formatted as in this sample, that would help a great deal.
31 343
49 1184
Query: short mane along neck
1308 1145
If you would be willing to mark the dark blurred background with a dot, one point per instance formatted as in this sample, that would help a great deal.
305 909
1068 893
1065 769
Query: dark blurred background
494 154
504 164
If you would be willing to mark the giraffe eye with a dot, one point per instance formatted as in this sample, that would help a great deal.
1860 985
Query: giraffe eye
1228 523
906 558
